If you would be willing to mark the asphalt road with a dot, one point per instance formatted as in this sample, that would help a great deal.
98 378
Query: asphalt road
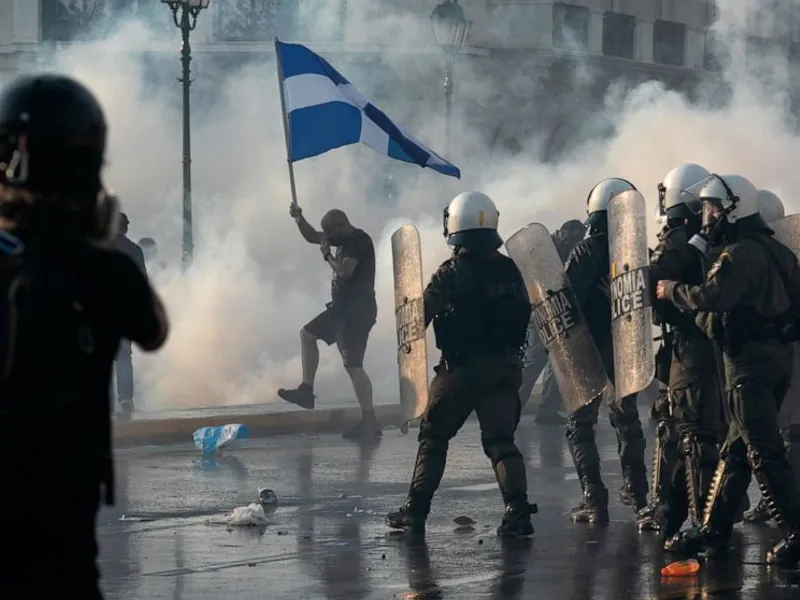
327 539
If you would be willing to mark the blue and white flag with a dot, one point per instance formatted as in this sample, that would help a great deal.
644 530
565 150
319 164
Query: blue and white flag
325 112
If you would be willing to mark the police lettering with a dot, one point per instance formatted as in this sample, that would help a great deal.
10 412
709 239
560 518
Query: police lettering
555 316
410 319
629 292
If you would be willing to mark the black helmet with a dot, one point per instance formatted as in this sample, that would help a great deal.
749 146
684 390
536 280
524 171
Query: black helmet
52 136
52 145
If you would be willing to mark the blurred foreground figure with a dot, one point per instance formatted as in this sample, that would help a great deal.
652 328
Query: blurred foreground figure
589 274
480 310
67 300
748 304
535 361
347 319
123 365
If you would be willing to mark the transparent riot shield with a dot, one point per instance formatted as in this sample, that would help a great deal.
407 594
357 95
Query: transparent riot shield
559 321
412 349
787 232
631 305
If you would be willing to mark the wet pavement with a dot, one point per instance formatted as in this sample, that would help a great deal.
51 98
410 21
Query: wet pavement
326 539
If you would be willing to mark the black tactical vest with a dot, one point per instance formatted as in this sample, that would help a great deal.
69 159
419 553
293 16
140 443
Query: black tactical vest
489 311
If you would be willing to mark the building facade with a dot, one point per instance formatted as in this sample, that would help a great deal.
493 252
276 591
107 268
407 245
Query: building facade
531 56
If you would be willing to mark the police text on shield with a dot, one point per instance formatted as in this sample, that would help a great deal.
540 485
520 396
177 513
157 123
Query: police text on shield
556 315
410 322
629 292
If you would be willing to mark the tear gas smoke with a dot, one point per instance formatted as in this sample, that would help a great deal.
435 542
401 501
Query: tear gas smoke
236 315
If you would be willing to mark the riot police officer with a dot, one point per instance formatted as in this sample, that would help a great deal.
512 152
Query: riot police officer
480 310
771 208
748 304
694 391
67 299
588 272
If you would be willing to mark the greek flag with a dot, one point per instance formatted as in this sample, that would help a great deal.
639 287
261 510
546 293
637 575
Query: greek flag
323 111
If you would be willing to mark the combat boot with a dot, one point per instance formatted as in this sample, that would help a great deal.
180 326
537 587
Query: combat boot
410 517
594 508
517 520
759 514
634 491
779 491
729 483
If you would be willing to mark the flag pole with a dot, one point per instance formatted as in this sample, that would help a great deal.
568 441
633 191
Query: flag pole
286 133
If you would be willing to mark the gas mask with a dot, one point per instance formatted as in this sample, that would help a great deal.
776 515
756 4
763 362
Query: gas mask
714 225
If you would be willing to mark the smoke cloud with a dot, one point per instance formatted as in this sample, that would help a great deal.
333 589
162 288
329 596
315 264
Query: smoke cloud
254 283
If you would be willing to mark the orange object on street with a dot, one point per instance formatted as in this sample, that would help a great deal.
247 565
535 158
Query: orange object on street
680 568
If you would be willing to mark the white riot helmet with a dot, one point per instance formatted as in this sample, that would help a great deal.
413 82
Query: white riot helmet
726 199
673 201
770 206
601 195
470 221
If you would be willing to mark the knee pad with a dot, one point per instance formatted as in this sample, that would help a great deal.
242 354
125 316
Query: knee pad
498 449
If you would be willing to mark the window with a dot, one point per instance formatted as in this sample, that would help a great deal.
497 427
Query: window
668 43
619 31
570 26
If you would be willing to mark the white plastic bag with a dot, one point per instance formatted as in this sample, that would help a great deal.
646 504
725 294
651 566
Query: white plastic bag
249 515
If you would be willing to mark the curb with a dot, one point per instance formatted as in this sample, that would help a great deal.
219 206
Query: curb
178 430
173 430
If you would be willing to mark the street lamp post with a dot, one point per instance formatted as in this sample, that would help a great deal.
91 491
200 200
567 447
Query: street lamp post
184 14
450 32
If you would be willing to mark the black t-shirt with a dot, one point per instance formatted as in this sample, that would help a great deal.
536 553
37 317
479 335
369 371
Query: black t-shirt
357 291
114 300
69 309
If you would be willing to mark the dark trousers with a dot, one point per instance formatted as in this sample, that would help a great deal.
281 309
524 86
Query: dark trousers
757 381
536 364
624 416
123 366
52 551
695 412
487 385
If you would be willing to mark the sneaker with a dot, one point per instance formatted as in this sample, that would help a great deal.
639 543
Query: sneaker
303 396
366 429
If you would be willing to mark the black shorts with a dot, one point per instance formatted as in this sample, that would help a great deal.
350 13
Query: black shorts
350 335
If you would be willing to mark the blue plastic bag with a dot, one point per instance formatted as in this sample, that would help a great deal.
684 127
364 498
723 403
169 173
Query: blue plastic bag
210 439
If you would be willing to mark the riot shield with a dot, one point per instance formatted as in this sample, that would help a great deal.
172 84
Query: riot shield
787 232
631 306
576 363
412 349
